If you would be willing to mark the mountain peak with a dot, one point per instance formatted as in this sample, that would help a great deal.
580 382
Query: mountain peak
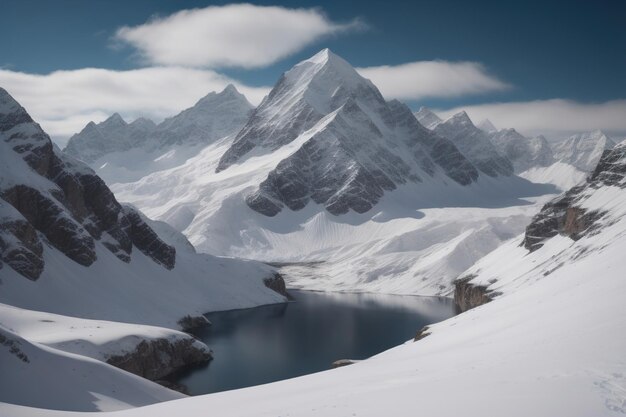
230 89
460 118
427 118
303 95
114 120
322 56
487 126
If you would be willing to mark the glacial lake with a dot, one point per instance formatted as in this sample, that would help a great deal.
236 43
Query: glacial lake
270 343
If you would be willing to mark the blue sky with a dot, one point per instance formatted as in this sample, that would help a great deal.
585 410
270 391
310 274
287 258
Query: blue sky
568 53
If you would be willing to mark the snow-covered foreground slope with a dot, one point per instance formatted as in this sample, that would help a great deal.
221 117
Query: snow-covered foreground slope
551 342
37 375
40 349
97 339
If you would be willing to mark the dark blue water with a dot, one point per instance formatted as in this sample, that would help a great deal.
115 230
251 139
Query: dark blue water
265 344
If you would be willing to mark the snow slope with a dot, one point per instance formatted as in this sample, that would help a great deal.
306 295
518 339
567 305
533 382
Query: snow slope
37 375
56 347
561 174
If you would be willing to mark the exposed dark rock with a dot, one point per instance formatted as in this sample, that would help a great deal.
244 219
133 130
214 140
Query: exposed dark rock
21 248
277 283
611 168
468 295
424 332
343 362
155 359
173 386
49 217
190 324
148 241
14 348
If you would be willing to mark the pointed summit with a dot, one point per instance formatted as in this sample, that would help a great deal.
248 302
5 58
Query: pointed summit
114 120
486 126
230 90
305 94
427 118
475 145
461 118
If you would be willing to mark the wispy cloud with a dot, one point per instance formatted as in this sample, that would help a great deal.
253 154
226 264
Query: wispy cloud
422 79
238 35
556 117
63 102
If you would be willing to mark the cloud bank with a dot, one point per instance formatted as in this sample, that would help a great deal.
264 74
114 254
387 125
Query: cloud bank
238 35
423 79
555 117
63 102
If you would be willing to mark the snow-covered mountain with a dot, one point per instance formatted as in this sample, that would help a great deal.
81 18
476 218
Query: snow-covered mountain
112 135
327 170
67 246
353 146
121 152
525 153
427 118
583 150
475 144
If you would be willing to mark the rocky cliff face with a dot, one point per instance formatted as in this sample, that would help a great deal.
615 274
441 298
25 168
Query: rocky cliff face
156 359
277 283
567 215
468 295
49 198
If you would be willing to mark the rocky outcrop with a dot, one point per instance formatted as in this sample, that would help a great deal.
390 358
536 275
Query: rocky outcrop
156 359
277 283
343 362
424 332
468 295
565 215
14 347
21 248
560 216
189 324
147 241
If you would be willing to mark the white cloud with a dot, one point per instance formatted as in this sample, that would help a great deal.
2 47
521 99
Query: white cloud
237 35
63 102
421 79
555 117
